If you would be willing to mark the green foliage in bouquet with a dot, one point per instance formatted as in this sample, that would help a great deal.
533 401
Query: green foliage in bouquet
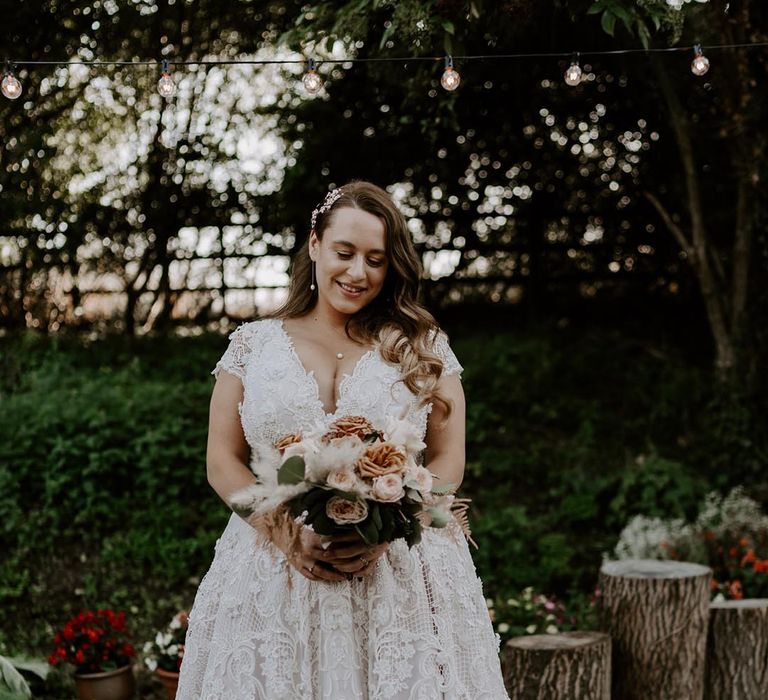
385 522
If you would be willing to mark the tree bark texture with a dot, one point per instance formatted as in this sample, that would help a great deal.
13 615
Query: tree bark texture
737 650
561 666
656 613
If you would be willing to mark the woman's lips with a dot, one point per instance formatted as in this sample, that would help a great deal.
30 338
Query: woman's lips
350 291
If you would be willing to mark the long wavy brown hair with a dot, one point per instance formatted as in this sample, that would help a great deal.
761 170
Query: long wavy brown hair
395 319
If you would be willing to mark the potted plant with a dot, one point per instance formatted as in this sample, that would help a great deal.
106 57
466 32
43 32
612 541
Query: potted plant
96 644
163 656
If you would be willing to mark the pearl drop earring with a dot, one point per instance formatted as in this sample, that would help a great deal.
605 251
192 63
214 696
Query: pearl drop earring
312 280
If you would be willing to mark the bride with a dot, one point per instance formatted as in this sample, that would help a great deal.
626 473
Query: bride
281 613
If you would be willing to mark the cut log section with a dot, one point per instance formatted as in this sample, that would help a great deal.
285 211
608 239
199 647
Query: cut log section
737 650
560 666
656 613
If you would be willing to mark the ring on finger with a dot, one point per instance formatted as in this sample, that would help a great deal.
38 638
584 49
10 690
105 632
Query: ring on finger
364 560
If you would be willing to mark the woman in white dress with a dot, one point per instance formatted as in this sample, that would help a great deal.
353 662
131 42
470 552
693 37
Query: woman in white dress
279 615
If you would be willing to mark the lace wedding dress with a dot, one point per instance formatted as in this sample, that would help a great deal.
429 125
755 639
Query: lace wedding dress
416 629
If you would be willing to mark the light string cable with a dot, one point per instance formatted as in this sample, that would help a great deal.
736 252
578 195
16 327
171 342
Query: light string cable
11 86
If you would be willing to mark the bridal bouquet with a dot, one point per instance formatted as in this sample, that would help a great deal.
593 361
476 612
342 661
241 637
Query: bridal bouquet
352 476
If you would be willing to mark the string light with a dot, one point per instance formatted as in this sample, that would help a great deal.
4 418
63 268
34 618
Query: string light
573 72
165 86
10 86
700 63
451 79
312 81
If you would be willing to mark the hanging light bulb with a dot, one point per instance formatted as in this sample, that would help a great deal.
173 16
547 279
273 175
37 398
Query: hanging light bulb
11 87
700 63
451 79
573 72
312 81
165 86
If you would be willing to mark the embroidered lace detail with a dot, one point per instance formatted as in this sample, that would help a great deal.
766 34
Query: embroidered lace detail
417 629
443 350
238 352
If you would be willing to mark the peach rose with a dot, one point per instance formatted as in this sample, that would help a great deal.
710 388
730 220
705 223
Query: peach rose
379 459
388 488
345 512
342 479
286 440
348 425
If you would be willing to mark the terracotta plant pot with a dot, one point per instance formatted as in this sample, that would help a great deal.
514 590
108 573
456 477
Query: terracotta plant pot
170 681
109 685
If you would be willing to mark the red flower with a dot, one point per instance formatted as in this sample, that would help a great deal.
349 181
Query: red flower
80 657
734 589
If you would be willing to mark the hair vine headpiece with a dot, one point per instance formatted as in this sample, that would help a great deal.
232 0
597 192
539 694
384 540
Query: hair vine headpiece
328 202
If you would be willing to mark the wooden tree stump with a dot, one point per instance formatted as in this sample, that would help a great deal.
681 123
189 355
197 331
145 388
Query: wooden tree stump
561 666
737 650
656 613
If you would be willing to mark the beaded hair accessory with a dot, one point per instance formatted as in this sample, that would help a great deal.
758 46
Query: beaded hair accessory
328 202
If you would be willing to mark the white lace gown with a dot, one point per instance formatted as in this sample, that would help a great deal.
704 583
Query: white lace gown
417 629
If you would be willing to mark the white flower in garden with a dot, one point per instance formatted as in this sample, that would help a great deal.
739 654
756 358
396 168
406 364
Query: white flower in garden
530 629
643 537
175 624
736 511
503 627
173 650
151 664
551 629
678 4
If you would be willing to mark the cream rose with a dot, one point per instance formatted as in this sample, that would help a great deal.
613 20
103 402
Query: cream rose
423 478
342 479
345 512
388 488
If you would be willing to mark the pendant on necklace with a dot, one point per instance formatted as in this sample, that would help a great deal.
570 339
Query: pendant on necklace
340 355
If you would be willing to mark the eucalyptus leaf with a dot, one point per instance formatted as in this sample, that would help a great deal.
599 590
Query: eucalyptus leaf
292 471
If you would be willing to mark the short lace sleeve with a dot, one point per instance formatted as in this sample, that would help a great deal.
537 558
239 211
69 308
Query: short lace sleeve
443 351
235 358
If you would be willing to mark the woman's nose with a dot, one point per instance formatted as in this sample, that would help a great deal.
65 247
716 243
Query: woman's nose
356 267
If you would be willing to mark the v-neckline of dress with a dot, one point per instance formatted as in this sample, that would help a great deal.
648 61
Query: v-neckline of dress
310 375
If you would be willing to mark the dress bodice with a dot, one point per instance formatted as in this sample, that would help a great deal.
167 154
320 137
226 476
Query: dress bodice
281 397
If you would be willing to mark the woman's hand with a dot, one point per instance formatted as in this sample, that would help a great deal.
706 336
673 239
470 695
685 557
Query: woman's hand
349 554
307 560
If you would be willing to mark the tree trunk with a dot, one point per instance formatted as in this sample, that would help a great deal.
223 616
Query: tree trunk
559 666
737 650
656 613
699 249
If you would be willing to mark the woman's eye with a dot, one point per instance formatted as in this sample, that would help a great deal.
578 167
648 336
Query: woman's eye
344 256
375 263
